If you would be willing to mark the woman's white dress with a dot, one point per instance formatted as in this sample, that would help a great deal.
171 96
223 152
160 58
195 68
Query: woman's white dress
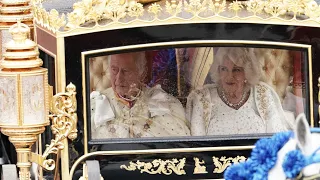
261 113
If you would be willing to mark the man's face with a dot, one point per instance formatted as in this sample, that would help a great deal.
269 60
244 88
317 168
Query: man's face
124 74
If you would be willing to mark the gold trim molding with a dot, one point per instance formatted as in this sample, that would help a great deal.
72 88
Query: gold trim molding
176 166
158 166
156 151
99 15
224 162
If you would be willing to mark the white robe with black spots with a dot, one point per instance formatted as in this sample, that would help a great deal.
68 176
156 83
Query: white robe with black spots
154 114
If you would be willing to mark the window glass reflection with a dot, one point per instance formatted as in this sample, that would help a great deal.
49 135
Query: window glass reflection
195 92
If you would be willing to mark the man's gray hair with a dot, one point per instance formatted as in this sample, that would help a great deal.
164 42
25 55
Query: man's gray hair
242 57
140 61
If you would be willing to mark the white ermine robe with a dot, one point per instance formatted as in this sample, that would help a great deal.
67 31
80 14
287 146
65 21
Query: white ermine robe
154 114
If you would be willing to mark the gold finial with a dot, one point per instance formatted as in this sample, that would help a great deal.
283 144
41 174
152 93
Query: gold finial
21 52
19 32
71 88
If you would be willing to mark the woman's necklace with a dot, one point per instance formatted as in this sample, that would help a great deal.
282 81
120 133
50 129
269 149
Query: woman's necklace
236 106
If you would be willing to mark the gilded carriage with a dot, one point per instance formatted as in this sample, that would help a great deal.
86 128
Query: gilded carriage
180 41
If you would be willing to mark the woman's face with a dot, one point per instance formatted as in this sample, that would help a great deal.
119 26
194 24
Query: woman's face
232 77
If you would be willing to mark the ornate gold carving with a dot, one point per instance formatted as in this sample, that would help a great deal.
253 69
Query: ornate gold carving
236 6
275 8
135 9
296 7
222 163
195 6
51 20
199 169
155 9
158 166
55 21
172 8
113 10
312 10
217 6
64 125
255 6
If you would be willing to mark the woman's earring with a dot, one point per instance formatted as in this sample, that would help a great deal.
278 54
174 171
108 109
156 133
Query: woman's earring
245 81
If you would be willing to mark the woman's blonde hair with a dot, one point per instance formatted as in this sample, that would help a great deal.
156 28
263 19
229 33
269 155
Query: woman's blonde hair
242 57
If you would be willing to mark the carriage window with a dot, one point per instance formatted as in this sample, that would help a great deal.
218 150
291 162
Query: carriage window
201 91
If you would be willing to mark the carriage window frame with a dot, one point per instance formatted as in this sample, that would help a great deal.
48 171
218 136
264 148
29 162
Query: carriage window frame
86 55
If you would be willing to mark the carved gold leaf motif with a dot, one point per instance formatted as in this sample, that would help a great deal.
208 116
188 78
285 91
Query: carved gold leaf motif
297 7
173 8
236 6
275 8
114 10
135 9
195 6
217 6
312 10
55 21
155 9
158 166
223 162
255 6
200 167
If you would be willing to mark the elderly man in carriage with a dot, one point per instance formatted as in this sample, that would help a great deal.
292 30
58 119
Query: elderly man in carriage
130 109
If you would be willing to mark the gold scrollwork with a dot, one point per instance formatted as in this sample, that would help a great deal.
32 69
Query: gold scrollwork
158 166
223 162
64 125
199 169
